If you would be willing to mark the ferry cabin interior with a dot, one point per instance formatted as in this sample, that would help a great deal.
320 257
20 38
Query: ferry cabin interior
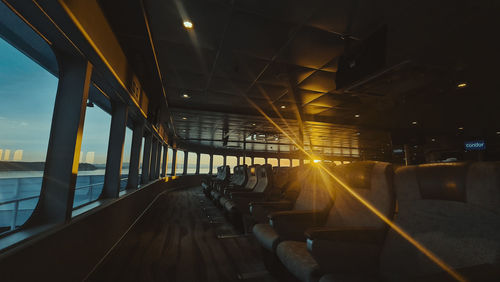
249 140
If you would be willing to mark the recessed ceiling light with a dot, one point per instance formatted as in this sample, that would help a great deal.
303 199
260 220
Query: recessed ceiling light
461 128
184 118
498 132
356 115
253 124
358 133
188 24
433 139
283 107
414 122
462 85
186 96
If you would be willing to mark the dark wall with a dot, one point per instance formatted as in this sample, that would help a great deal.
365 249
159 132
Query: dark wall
71 252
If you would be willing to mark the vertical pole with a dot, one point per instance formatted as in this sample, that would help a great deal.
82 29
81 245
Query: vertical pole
165 158
174 162
253 160
211 166
63 154
146 159
114 158
198 157
237 160
154 156
135 156
185 168
225 160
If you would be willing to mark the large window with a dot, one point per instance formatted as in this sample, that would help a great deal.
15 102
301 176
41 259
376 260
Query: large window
284 162
28 94
169 161
191 163
248 161
179 169
231 162
272 161
204 163
218 161
127 146
260 161
90 179
295 162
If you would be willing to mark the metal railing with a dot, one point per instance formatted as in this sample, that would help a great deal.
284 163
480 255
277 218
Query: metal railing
16 202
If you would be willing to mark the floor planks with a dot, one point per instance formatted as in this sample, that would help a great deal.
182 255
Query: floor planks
176 240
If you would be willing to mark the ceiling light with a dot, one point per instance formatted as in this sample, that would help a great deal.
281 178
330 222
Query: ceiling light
356 115
498 132
253 124
461 128
283 107
433 140
317 161
462 85
358 133
184 118
414 122
186 96
188 24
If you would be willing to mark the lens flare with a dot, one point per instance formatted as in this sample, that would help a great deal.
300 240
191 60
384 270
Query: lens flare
370 207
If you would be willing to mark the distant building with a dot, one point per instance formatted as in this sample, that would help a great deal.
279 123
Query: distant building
89 158
18 155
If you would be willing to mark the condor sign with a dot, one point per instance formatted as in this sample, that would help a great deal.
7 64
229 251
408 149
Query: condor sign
477 145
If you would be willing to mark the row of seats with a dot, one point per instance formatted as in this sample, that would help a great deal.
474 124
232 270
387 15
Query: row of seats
321 231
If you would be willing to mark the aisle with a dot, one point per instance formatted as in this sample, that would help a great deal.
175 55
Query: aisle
177 240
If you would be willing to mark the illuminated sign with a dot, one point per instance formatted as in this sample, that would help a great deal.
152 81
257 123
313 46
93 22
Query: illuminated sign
477 145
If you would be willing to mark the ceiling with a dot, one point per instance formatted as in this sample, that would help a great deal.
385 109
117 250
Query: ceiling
247 58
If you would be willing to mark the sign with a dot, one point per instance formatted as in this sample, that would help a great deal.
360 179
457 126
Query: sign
477 145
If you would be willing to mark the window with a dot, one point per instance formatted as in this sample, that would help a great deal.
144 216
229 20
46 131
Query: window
179 169
248 161
218 161
260 161
90 179
242 160
204 163
169 161
295 162
140 157
307 161
191 163
272 161
28 94
231 162
337 162
127 147
285 162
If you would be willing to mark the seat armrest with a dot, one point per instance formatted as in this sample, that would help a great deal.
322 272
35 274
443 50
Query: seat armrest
248 195
275 206
349 234
349 249
290 225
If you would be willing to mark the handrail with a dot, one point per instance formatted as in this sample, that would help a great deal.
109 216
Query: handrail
10 201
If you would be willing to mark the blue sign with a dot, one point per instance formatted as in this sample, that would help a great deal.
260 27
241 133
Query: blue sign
477 145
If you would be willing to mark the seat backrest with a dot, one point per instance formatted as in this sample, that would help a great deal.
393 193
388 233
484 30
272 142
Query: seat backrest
243 175
280 177
220 173
264 179
252 176
453 209
371 180
313 193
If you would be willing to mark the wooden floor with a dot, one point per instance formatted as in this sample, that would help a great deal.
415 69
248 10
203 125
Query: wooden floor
177 240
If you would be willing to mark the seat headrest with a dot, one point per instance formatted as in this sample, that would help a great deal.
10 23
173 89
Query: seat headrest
356 175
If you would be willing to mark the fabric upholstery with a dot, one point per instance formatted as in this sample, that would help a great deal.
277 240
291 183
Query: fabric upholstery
462 231
298 260
266 236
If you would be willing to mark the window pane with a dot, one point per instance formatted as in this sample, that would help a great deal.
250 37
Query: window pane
231 162
191 163
295 162
169 161
204 163
140 158
90 179
272 161
248 160
180 163
307 161
285 162
260 161
28 94
127 146
218 161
